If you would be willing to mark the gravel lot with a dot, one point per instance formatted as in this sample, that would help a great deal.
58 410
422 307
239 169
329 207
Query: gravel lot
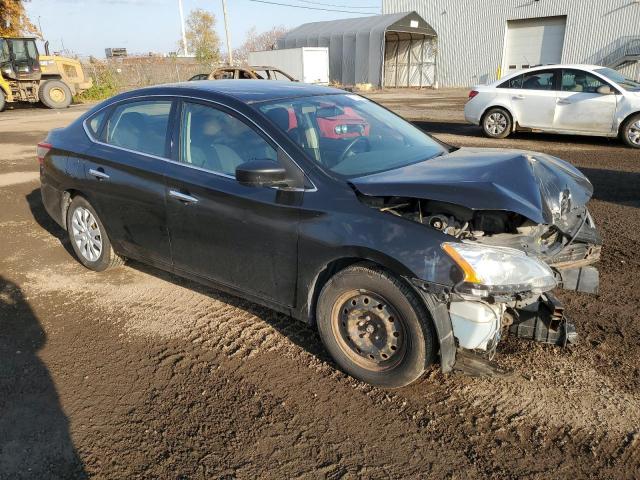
138 373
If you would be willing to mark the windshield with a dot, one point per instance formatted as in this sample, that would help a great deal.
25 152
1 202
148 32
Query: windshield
350 135
620 79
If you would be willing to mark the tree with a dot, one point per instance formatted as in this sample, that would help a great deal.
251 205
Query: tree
202 39
14 21
255 42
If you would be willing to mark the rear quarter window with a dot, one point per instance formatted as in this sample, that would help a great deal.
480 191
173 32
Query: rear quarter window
515 82
94 123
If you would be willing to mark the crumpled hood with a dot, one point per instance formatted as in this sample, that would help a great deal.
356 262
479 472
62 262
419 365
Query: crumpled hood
537 186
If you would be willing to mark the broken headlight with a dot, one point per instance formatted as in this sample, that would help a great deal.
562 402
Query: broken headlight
498 270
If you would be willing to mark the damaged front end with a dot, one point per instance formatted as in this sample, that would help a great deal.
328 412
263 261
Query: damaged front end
519 227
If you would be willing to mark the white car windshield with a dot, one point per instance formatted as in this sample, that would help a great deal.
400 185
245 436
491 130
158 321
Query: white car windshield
620 79
350 135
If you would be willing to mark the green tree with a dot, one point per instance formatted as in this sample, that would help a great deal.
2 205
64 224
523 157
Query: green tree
202 39
14 21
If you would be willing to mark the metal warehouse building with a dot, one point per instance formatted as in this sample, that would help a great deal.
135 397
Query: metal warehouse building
480 40
358 45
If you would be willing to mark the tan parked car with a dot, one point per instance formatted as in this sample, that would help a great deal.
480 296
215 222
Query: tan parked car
244 73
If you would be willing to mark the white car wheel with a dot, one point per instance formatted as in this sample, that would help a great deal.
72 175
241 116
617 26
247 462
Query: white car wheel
496 123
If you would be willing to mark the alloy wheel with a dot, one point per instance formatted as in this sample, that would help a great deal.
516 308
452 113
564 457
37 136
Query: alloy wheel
86 234
496 123
633 133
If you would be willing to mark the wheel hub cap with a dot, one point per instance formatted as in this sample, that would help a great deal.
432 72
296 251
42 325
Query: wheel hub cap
370 327
86 234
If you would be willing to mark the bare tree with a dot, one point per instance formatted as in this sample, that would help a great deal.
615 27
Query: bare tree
255 42
202 39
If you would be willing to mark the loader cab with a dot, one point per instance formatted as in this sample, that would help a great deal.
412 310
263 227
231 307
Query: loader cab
19 59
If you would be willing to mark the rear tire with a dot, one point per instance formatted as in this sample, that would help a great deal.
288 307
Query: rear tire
375 326
497 123
630 131
89 238
3 101
55 94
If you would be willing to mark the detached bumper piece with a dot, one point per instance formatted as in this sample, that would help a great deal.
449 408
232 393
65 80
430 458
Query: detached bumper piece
545 321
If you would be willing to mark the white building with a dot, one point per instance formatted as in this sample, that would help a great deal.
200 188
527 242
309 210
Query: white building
478 41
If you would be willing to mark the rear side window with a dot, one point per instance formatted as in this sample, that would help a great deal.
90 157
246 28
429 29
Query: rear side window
515 82
140 126
539 80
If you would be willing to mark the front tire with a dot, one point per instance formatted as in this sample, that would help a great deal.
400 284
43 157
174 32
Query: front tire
630 131
55 94
3 100
89 238
375 327
497 123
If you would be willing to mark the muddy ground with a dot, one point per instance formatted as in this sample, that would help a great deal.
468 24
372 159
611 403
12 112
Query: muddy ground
135 373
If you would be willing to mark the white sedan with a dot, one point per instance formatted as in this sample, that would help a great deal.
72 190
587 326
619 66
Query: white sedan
571 99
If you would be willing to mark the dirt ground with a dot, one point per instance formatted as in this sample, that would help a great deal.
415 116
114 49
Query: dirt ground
136 373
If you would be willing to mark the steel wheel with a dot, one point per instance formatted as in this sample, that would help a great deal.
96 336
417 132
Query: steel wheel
633 133
57 94
369 330
86 234
496 123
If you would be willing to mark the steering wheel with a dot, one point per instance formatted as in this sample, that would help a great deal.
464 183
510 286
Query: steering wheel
352 144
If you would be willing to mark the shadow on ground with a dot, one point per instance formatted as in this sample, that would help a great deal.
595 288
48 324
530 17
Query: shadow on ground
34 431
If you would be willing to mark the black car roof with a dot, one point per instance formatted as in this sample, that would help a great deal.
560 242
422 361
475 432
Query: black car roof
246 91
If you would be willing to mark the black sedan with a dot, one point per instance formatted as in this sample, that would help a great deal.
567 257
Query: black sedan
399 248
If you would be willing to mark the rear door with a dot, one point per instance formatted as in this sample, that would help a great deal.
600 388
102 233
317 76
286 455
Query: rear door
124 171
534 102
243 237
580 107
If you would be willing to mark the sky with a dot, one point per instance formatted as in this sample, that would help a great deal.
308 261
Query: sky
87 27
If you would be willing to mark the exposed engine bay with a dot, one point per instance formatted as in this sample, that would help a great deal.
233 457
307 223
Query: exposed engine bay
569 246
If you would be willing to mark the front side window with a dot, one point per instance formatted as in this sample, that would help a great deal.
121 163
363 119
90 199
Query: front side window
349 135
217 141
539 80
620 79
140 126
580 81
4 51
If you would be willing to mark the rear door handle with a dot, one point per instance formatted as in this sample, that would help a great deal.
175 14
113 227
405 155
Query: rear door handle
183 197
518 97
99 174
559 101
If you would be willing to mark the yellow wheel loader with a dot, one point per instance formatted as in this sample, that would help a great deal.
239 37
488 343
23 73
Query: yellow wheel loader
25 76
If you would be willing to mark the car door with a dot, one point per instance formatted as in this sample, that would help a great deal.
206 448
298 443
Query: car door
239 236
124 172
534 102
580 107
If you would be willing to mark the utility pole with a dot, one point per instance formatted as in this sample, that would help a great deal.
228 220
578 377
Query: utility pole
184 35
226 31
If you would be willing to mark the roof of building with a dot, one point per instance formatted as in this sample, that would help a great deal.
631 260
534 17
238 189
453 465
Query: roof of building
358 25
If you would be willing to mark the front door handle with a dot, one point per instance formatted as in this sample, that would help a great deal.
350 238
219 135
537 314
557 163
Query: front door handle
518 97
560 101
99 174
183 197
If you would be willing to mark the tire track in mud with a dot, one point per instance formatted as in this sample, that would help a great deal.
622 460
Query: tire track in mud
582 401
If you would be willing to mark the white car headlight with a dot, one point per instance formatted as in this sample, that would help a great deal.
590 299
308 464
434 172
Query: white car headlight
498 270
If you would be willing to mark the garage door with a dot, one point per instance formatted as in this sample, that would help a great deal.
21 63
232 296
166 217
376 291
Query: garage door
534 41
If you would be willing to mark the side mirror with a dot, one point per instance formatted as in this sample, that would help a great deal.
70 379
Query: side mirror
604 90
261 173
